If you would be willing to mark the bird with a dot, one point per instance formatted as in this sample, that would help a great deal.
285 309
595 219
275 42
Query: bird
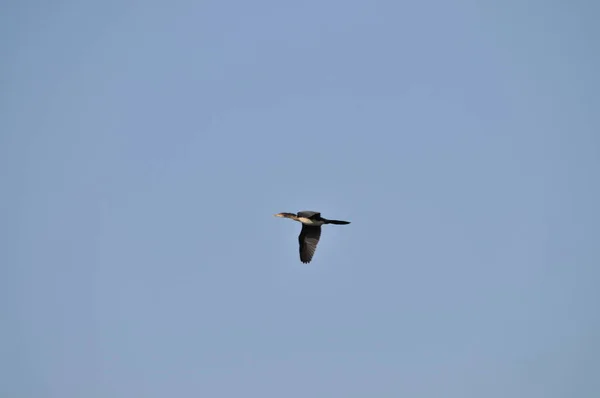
311 231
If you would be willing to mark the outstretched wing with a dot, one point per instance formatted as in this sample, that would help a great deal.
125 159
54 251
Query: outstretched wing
308 239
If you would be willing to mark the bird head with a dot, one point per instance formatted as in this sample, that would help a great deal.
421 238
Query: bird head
285 215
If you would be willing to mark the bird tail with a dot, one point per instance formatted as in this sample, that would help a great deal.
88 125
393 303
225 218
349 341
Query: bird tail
337 222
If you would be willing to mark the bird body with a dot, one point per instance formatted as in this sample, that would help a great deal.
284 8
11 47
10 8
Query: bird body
308 221
311 231
310 218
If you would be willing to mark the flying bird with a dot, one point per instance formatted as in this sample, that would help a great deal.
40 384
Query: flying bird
311 231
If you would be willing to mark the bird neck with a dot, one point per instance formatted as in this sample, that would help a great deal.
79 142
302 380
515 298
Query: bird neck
290 215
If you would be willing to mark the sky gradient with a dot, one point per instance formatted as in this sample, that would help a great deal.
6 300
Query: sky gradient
145 146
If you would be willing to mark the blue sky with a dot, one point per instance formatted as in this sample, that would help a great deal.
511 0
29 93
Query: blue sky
145 146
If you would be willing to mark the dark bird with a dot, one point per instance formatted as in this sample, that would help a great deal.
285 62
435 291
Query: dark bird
311 231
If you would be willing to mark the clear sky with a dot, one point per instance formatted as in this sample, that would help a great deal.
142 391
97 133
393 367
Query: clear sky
146 145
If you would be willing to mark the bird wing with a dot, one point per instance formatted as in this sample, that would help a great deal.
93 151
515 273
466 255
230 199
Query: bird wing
309 214
308 239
